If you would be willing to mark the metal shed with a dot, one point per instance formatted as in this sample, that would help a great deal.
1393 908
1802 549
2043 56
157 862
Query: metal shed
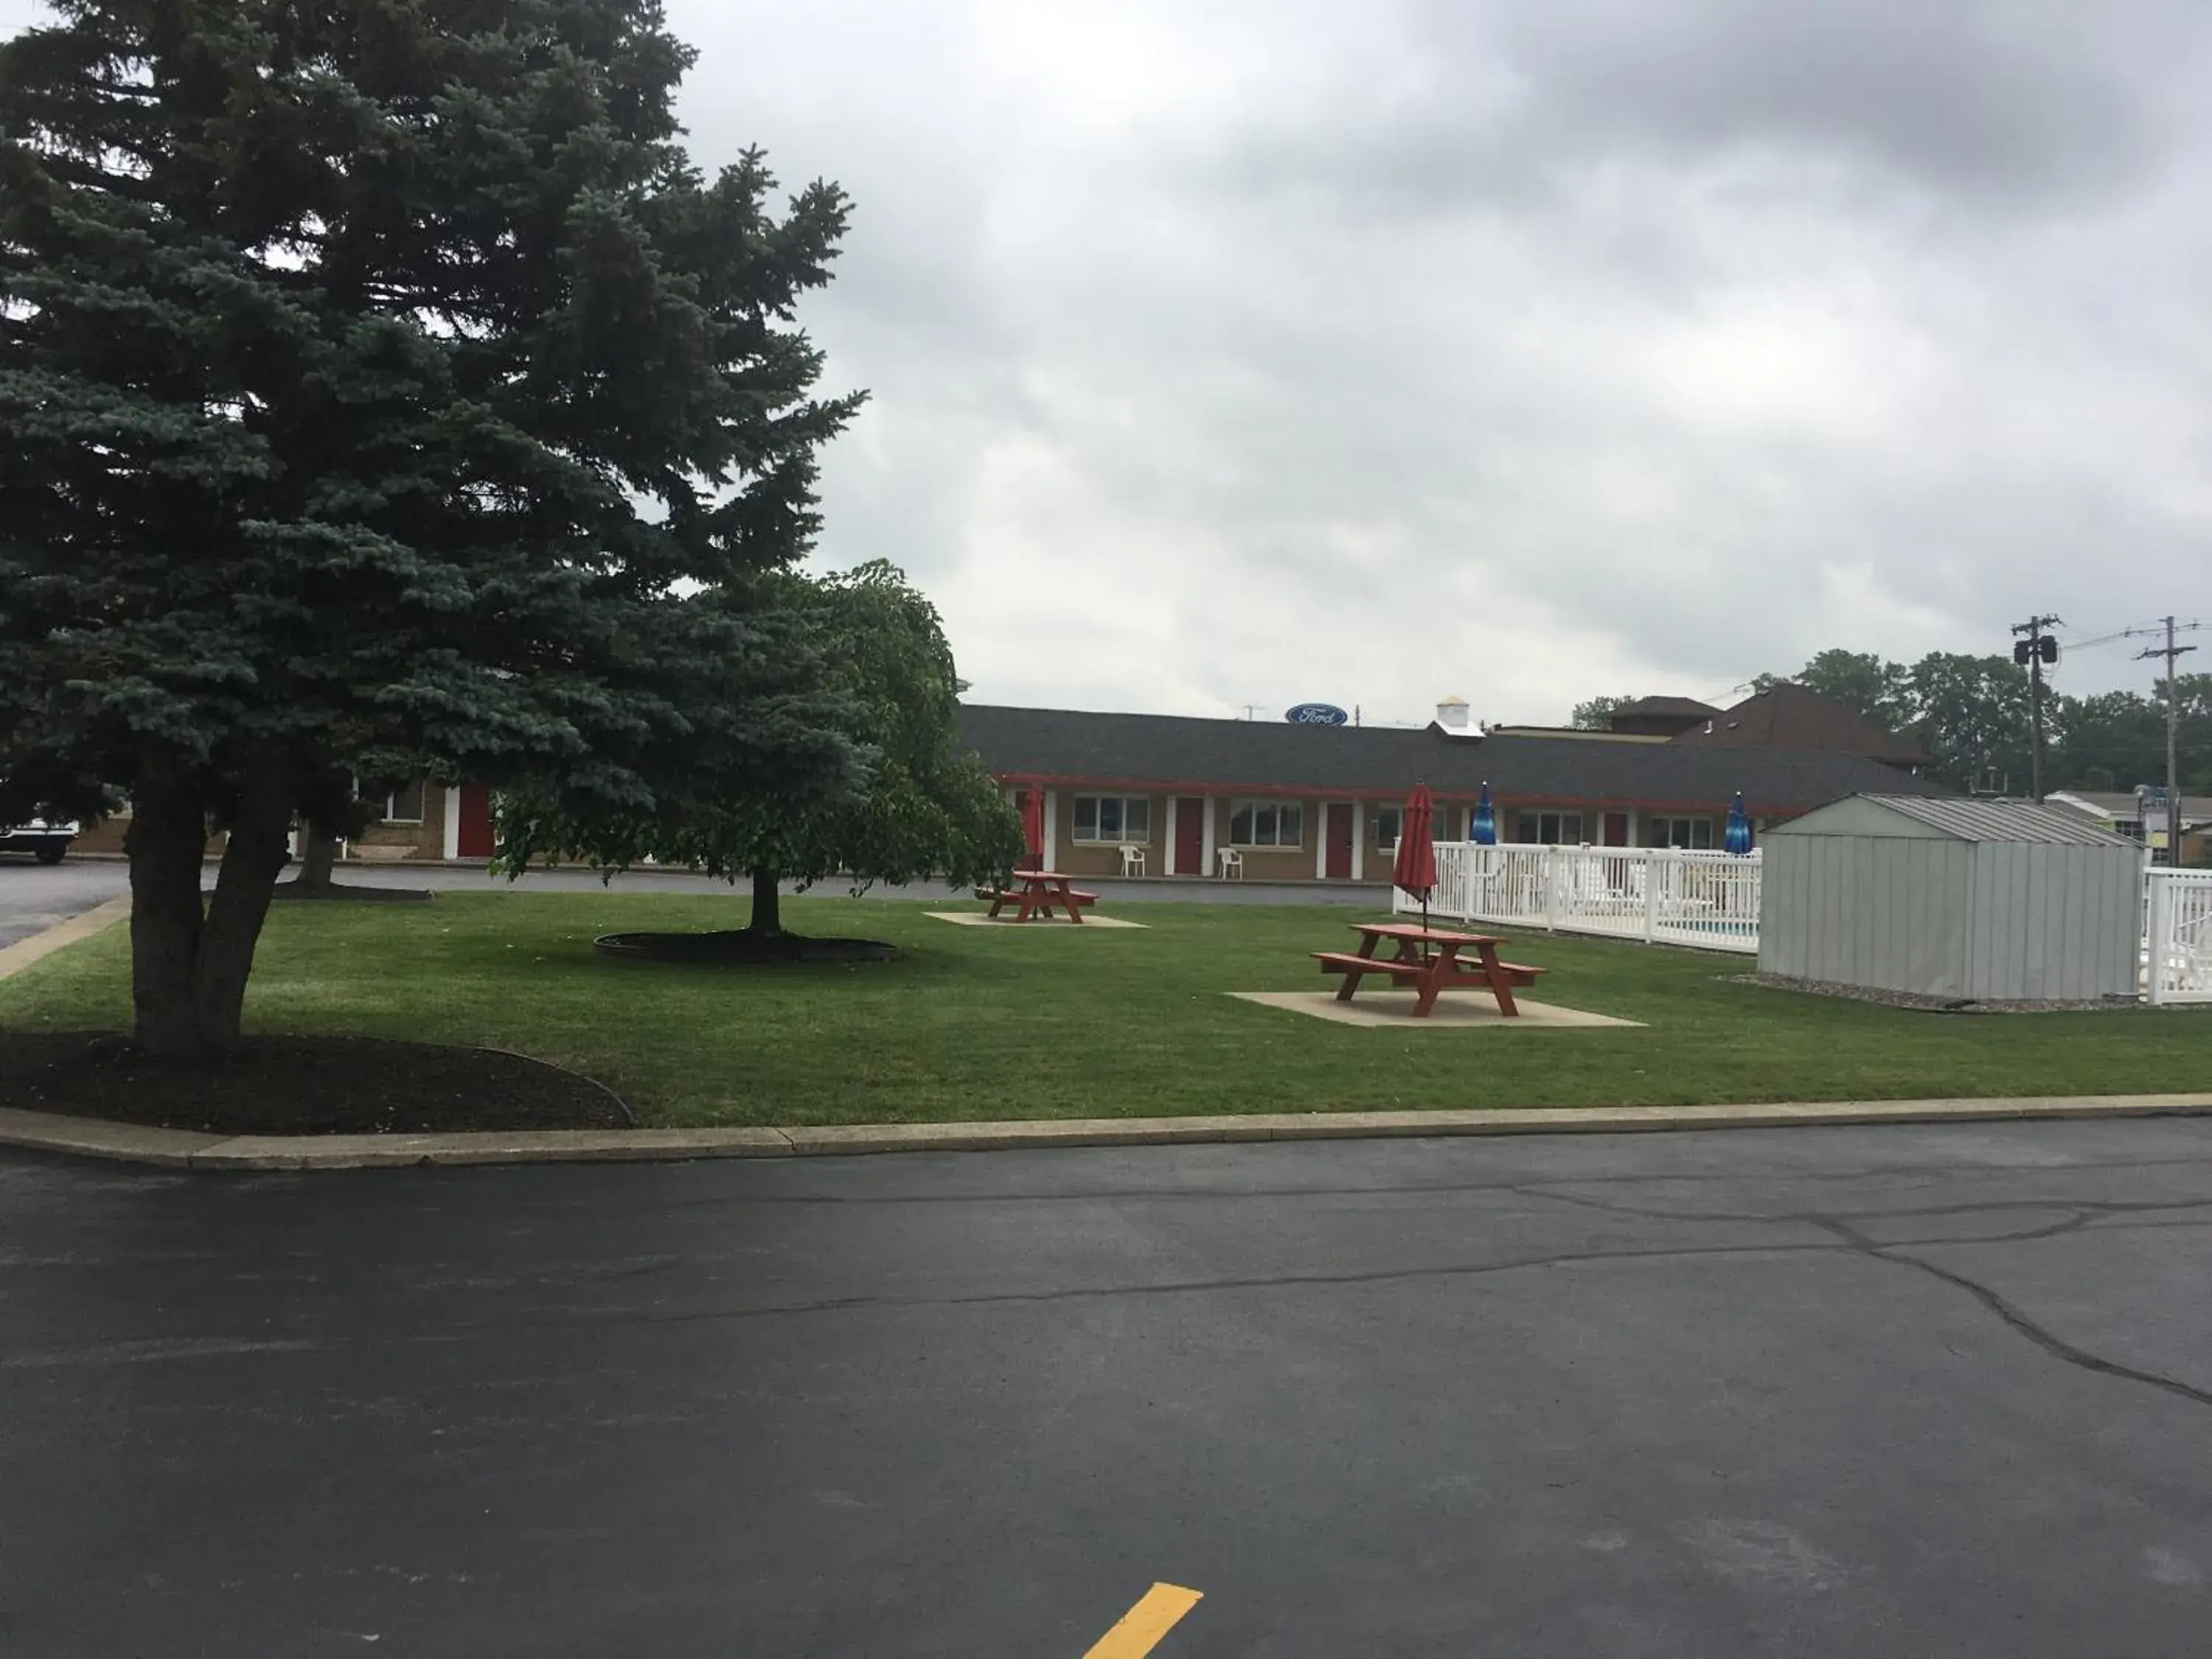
1956 900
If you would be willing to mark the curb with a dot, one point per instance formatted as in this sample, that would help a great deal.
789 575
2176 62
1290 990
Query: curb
185 1149
23 952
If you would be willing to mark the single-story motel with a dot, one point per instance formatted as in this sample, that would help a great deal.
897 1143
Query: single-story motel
1162 795
1167 795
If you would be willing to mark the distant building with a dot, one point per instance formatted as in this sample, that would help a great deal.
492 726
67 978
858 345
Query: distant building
1786 716
1661 717
2119 813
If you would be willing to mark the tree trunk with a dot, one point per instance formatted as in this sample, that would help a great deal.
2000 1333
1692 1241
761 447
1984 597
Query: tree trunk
165 843
767 919
319 858
190 959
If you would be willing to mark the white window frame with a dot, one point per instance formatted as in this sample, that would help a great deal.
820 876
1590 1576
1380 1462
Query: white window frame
422 805
1559 838
1396 815
1257 804
1124 837
1664 825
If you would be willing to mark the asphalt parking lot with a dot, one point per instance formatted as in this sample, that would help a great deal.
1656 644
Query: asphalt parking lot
1832 1392
34 897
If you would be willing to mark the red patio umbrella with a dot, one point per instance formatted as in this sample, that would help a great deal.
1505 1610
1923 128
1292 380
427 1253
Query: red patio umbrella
1033 827
1415 869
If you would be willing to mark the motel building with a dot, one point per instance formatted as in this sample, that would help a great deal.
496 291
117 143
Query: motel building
1160 795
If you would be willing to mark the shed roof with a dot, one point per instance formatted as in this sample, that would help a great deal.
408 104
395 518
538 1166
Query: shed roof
1963 820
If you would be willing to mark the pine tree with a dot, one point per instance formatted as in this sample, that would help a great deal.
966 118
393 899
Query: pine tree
381 385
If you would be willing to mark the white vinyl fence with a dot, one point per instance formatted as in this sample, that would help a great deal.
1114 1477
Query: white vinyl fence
2177 936
1657 896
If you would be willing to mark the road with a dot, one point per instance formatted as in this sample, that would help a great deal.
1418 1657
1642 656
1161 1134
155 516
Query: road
34 897
1820 1393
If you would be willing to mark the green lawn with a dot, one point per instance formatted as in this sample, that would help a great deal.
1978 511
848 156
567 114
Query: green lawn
1052 1023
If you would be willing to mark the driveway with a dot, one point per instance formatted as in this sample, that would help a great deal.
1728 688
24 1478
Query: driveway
1824 1393
34 897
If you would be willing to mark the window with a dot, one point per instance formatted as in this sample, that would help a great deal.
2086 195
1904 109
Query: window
404 805
1266 824
1549 828
1114 819
1694 834
1388 820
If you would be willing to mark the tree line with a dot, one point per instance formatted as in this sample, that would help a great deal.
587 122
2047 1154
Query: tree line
1971 717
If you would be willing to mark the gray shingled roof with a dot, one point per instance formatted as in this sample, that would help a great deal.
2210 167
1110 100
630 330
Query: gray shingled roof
1163 752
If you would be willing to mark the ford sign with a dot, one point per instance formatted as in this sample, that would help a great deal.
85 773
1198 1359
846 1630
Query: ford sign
1316 714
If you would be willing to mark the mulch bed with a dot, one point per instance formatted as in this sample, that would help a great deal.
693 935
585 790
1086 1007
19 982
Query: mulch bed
301 1086
742 948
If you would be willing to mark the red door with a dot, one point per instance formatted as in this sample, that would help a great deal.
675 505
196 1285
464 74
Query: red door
1616 829
475 840
1340 841
1190 836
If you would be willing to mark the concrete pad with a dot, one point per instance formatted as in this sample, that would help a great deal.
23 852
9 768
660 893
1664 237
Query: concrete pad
1460 1011
982 919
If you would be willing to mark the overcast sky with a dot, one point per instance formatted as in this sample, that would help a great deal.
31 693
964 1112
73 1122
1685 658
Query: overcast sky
1262 351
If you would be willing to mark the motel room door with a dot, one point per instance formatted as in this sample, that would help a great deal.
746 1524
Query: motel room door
476 839
1340 841
1616 829
1190 836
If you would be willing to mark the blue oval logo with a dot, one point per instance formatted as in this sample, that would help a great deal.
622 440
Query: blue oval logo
1316 714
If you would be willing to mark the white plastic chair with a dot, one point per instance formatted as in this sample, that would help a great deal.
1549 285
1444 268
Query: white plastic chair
1132 859
1232 863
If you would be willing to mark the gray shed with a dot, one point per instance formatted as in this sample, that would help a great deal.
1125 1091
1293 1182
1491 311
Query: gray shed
1957 900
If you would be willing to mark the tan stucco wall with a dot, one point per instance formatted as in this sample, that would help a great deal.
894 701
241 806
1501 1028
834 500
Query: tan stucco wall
1075 857
405 841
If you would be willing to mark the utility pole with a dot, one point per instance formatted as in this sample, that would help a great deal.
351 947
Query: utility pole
2171 651
2036 649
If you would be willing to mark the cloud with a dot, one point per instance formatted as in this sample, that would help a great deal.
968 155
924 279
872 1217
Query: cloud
1529 349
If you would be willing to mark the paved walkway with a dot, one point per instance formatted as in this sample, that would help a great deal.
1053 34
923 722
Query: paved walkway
1824 1393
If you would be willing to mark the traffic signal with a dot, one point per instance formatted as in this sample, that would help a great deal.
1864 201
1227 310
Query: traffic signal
2045 647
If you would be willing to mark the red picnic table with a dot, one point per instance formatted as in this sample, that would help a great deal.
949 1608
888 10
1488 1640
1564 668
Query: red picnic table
1430 960
1038 893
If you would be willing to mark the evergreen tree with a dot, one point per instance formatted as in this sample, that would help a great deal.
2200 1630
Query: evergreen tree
378 377
926 806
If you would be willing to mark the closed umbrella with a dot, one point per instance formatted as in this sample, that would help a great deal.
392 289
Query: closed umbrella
1033 827
1736 838
1415 868
1483 829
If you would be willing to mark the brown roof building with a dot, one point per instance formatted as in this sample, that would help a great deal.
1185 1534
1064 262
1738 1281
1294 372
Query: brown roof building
1661 717
1786 716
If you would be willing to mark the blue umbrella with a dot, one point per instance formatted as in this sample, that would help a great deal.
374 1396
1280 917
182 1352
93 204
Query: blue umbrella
1483 829
1737 836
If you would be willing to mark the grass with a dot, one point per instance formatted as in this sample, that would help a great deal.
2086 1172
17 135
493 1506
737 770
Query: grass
979 1023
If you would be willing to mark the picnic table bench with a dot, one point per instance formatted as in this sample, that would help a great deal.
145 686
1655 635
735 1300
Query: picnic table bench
1430 960
1038 893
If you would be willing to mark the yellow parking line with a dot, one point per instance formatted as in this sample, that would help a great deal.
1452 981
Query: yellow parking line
1141 1627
